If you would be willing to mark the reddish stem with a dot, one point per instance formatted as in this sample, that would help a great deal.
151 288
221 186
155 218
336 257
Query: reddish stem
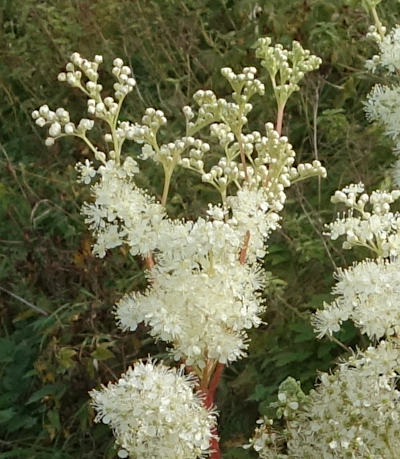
279 120
243 252
149 261
209 402
214 445
214 384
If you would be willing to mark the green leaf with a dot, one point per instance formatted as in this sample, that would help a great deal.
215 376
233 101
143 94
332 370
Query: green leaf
22 421
51 389
288 357
65 359
7 348
102 353
7 415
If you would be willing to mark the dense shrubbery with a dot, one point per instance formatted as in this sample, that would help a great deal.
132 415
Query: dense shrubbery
51 357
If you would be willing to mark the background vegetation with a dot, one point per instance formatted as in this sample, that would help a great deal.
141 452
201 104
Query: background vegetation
58 336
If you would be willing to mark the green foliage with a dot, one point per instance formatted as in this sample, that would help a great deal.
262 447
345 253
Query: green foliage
50 360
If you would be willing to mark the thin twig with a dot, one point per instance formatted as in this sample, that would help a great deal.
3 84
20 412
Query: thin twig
301 198
243 252
17 297
339 343
315 137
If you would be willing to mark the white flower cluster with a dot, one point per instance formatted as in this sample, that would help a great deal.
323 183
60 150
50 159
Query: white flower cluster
122 213
286 68
353 412
155 413
86 171
268 442
389 50
369 295
382 103
383 106
204 292
83 74
202 313
59 123
205 288
376 227
249 209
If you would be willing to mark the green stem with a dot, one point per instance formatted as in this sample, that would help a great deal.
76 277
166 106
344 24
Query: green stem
167 182
88 143
375 17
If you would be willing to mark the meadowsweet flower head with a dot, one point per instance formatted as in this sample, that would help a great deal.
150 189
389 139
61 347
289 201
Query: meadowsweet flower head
205 286
353 412
382 105
369 222
251 213
201 313
154 412
389 53
122 213
368 293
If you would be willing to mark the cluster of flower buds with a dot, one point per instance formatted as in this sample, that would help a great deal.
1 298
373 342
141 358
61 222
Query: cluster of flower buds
228 169
207 113
107 109
353 196
223 133
102 109
146 132
303 171
154 119
234 114
376 34
274 165
222 174
171 153
78 67
377 227
129 131
125 83
59 123
244 84
197 150
286 68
